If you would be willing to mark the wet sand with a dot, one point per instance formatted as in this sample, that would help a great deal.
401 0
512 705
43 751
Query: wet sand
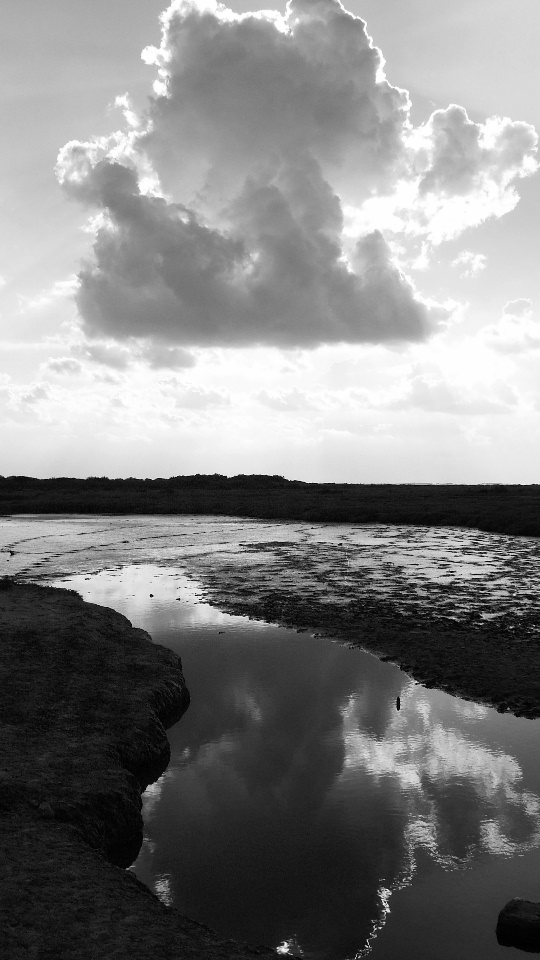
457 609
468 626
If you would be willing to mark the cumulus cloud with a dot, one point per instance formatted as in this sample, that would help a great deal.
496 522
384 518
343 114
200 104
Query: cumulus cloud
285 400
121 356
431 391
34 394
198 398
518 330
441 396
59 290
107 354
254 200
277 277
191 396
160 357
28 400
456 157
457 175
64 365
470 264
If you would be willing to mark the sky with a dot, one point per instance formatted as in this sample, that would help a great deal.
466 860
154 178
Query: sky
302 241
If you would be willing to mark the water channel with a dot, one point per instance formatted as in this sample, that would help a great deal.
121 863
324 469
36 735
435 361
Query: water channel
317 800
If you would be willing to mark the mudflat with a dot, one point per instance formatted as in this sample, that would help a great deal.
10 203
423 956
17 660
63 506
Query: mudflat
464 634
85 702
490 665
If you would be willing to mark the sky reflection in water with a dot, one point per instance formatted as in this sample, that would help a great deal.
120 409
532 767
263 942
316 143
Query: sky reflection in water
300 807
299 800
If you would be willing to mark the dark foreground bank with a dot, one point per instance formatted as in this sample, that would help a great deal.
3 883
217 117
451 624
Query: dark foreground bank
85 702
495 508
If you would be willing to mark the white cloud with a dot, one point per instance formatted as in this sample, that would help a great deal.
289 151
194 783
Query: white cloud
265 194
160 357
28 401
278 277
466 170
60 289
455 156
285 400
518 330
33 395
107 354
63 365
258 127
178 394
456 174
198 398
240 92
121 356
441 396
470 264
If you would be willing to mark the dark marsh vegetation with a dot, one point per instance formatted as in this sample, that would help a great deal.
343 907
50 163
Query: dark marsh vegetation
497 508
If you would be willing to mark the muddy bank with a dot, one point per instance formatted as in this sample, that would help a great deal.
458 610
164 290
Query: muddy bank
487 664
462 635
85 702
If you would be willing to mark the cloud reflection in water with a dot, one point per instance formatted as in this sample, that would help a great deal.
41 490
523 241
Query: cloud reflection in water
303 797
298 799
460 799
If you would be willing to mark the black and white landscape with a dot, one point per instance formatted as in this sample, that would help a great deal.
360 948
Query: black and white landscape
269 464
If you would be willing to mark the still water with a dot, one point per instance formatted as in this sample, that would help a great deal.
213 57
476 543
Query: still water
301 807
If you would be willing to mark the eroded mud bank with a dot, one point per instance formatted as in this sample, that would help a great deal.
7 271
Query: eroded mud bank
85 702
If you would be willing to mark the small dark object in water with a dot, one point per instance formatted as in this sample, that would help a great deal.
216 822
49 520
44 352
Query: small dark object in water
398 703
518 925
151 594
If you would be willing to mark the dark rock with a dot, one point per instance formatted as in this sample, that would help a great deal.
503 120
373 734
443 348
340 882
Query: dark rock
518 925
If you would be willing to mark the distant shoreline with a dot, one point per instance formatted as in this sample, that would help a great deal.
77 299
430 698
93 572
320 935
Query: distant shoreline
493 508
